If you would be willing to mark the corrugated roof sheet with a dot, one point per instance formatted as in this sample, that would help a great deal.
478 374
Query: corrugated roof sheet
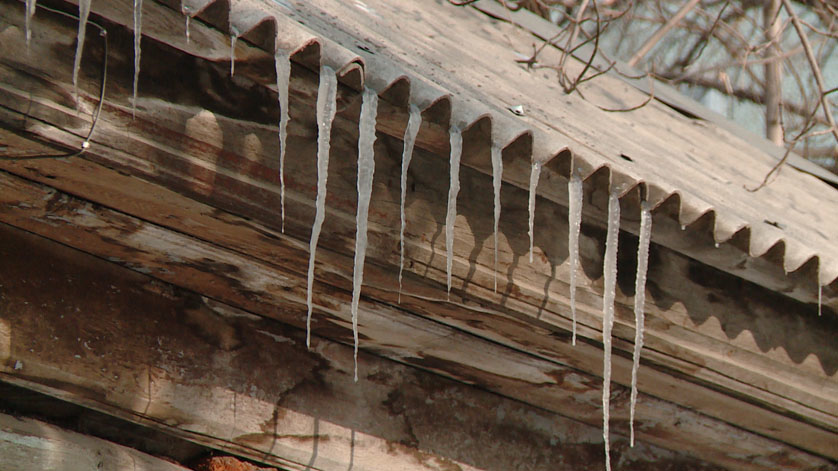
446 53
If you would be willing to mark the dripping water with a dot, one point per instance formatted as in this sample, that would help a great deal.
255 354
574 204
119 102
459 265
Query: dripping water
534 174
282 60
456 141
30 11
188 22
497 178
574 216
639 303
414 121
84 12
326 97
138 34
610 278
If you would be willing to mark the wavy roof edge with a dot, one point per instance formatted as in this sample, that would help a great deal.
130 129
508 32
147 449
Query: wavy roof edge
275 26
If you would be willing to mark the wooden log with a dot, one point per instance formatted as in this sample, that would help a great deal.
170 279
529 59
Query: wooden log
27 444
91 332
274 291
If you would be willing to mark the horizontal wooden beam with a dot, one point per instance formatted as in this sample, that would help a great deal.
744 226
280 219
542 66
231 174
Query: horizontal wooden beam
27 444
97 334
227 163
275 291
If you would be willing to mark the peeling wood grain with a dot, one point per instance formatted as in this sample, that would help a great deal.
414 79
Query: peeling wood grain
274 291
27 444
149 351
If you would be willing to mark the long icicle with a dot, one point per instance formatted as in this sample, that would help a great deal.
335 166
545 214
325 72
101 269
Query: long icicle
456 141
326 96
366 169
497 178
30 11
414 122
534 174
610 278
282 61
574 216
84 12
138 34
639 303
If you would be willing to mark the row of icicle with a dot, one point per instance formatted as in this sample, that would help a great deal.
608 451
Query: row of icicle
325 112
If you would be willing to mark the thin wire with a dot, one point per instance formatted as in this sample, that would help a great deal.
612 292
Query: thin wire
86 143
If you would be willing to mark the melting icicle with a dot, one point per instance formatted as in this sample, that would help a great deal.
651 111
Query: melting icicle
138 34
534 174
188 22
497 178
30 11
233 39
414 121
366 169
326 97
639 303
282 60
456 138
84 12
574 216
610 277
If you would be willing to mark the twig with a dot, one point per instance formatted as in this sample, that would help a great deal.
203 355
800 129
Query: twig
579 78
661 32
645 102
574 33
813 63
810 123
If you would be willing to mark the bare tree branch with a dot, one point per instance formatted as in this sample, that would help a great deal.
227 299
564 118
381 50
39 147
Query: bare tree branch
813 63
772 92
661 32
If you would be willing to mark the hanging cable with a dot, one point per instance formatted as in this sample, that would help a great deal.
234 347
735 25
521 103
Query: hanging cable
86 143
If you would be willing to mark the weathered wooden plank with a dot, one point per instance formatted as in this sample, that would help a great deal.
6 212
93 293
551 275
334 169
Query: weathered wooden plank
27 444
174 360
200 180
277 291
526 284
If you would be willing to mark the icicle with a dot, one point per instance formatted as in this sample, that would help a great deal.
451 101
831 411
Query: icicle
326 97
534 174
639 303
188 21
84 11
282 61
366 169
497 178
30 11
610 277
456 138
414 121
233 39
138 34
574 223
